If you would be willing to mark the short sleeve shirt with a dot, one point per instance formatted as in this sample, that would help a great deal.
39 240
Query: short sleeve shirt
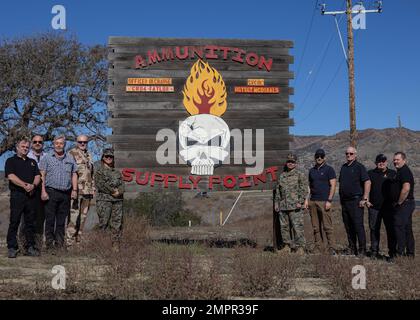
25 169
319 182
58 171
404 175
352 179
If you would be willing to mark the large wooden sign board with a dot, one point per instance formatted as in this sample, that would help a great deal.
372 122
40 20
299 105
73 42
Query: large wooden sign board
205 114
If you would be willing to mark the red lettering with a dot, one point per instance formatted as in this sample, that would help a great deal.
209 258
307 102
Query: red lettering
228 184
272 171
225 52
169 178
153 57
246 182
252 59
266 63
183 55
156 177
181 185
139 62
211 54
195 181
260 177
214 180
128 174
196 51
167 54
238 57
145 179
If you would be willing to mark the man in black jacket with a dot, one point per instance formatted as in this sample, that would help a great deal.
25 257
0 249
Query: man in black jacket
380 205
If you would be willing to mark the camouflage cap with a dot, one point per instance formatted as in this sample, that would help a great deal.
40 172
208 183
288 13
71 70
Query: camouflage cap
291 157
108 152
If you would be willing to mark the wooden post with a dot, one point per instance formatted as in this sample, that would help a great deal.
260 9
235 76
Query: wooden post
352 102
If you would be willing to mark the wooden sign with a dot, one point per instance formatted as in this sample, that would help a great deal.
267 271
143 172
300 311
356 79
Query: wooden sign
199 114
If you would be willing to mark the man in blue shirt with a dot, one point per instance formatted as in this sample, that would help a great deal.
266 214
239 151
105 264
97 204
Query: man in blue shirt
59 185
322 183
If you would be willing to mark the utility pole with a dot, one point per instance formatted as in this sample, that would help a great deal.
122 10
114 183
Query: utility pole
350 58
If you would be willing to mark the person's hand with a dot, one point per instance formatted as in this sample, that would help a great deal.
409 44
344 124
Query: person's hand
298 206
327 205
368 204
276 207
115 194
44 195
362 203
306 204
74 194
28 187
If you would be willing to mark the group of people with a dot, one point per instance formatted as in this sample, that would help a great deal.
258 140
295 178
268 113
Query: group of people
53 192
387 194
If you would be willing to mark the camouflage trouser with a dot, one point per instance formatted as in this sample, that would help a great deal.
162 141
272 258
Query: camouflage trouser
76 221
110 214
291 225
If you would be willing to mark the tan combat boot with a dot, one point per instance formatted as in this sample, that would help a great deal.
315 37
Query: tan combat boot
300 251
285 249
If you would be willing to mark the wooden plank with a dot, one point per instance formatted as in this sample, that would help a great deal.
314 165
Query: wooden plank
145 138
181 114
127 60
132 73
153 145
153 130
180 82
177 97
159 42
121 106
170 121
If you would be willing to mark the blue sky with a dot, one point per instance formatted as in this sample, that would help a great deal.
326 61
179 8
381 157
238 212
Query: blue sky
386 52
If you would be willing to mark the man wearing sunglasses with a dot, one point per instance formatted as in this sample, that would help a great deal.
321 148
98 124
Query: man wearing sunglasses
380 205
354 195
291 196
80 206
37 153
322 182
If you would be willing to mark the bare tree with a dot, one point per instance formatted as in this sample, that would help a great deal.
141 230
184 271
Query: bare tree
51 84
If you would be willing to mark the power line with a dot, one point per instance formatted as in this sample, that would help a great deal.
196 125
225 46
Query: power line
300 106
306 41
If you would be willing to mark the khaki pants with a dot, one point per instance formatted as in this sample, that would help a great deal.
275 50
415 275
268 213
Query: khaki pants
321 221
77 218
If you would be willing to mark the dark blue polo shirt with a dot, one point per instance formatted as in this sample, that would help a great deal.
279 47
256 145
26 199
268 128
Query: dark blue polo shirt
319 182
352 179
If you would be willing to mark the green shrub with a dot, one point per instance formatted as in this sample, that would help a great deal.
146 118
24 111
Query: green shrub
161 209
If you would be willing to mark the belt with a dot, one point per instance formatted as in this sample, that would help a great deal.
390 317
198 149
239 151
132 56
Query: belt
58 190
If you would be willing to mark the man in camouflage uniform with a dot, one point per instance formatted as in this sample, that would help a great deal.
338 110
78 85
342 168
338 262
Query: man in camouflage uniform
80 206
109 197
291 199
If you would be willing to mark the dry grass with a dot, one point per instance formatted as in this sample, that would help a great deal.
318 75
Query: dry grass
146 270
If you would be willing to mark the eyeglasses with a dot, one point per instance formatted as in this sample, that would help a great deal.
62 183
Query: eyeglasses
109 157
318 156
82 142
291 161
349 153
37 142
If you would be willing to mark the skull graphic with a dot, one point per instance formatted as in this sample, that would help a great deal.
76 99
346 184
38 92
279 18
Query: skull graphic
203 141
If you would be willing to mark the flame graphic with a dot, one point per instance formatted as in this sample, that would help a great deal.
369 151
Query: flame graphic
205 91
